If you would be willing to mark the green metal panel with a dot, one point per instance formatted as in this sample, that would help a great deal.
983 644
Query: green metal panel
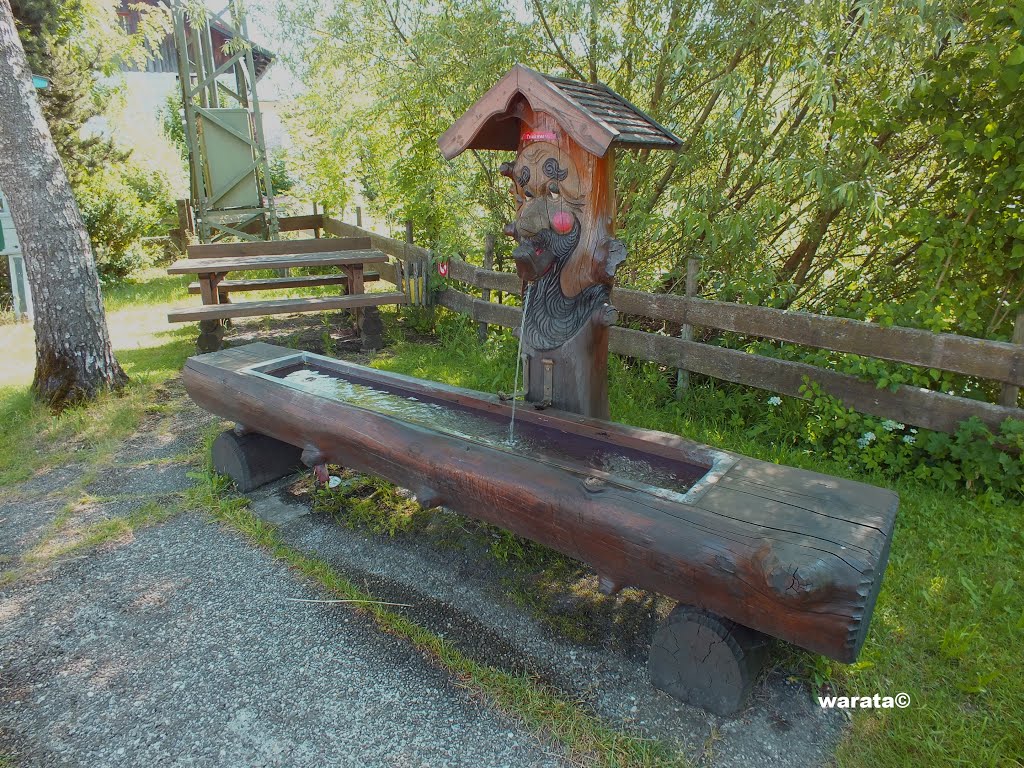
230 167
228 163
8 237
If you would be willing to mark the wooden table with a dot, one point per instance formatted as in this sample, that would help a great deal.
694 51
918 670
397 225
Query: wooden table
217 307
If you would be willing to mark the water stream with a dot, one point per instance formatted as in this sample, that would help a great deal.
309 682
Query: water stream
519 360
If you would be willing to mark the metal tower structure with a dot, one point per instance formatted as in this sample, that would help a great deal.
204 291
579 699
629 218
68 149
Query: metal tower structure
232 194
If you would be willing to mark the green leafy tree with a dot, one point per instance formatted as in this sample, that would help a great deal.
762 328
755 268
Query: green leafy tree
821 167
57 46
966 234
73 44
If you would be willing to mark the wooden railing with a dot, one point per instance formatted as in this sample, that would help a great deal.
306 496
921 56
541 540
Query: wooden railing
994 360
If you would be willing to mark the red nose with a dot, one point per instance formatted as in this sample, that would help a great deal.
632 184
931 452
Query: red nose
561 222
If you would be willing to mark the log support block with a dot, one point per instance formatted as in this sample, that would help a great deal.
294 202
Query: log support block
252 459
706 660
371 329
211 334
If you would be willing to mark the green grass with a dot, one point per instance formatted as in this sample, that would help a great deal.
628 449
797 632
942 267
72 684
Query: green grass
150 351
34 439
949 621
149 288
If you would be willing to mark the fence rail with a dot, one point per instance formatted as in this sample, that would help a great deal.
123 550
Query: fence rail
994 360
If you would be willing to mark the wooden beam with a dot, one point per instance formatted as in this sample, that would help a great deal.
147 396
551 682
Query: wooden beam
273 247
228 264
278 283
795 554
986 359
1010 392
397 248
289 224
910 405
283 307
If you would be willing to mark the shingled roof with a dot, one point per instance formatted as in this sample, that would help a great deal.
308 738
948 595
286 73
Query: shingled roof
594 115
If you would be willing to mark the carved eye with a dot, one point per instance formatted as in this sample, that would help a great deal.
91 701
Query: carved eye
553 170
553 189
524 176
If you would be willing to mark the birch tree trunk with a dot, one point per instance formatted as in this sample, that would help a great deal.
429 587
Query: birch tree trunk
74 359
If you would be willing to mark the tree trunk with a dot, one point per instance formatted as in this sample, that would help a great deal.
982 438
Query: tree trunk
74 359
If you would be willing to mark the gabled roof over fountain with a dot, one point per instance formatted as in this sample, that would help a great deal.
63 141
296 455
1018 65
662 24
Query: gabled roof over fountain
594 115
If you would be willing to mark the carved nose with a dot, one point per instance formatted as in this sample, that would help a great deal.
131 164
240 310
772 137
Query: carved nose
509 230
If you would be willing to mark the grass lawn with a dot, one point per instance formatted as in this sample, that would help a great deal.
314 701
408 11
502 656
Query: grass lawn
949 621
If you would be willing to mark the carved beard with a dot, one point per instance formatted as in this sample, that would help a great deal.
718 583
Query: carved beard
553 318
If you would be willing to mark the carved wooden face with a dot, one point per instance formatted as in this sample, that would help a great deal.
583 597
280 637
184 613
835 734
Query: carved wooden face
549 204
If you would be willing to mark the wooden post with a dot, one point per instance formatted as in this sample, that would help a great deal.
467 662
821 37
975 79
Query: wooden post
402 270
186 231
359 216
686 332
185 220
1011 393
485 293
411 274
316 230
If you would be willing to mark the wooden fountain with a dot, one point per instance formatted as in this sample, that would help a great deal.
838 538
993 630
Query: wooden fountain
750 550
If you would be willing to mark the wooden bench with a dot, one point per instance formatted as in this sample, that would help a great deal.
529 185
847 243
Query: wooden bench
283 306
279 283
213 262
272 247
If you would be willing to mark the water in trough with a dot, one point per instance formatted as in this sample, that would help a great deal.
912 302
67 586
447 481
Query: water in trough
545 444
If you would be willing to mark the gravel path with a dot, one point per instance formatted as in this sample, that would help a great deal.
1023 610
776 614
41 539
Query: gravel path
178 645
181 647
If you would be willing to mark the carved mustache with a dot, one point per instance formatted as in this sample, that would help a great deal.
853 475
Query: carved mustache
536 254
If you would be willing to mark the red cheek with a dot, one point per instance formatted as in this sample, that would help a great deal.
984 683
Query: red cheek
561 222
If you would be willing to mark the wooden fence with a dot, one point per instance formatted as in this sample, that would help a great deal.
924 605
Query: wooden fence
994 360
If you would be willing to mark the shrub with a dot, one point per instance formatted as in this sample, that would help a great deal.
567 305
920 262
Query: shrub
120 206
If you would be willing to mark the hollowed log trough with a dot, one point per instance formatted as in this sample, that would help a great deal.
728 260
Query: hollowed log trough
748 548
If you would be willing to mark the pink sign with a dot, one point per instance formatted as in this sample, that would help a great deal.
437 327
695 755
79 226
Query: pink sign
539 136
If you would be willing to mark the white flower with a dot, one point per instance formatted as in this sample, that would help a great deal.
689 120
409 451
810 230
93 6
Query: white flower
889 425
866 439
909 439
774 400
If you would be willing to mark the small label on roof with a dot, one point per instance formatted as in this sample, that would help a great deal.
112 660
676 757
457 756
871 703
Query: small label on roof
539 136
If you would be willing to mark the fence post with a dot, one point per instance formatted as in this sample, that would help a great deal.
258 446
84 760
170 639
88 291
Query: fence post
359 216
485 293
1011 392
186 224
408 268
316 230
686 331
